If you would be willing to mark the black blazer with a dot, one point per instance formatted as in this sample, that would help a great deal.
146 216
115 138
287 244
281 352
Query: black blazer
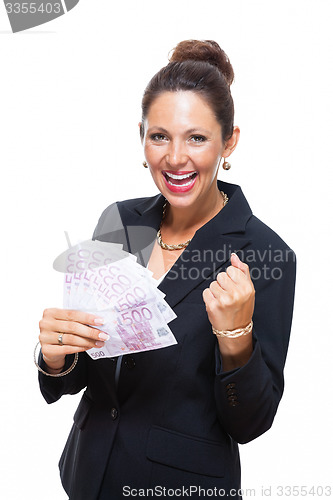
176 417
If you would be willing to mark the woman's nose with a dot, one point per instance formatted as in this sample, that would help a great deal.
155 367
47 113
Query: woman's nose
177 155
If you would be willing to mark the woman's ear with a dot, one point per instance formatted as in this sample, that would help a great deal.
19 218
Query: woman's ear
231 143
141 131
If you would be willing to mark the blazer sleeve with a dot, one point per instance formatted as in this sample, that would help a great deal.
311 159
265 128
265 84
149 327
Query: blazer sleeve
247 398
52 388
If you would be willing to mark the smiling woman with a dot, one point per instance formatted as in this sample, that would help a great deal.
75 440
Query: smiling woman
171 418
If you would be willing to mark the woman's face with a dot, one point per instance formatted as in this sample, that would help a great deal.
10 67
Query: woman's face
183 147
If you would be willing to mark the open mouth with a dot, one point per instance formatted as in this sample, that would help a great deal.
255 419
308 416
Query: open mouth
181 179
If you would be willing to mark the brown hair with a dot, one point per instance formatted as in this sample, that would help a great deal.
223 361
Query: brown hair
198 66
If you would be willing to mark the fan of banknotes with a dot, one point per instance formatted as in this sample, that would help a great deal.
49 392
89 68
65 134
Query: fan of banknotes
103 279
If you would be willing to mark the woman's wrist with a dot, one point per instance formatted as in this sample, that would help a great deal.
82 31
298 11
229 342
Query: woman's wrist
235 352
54 367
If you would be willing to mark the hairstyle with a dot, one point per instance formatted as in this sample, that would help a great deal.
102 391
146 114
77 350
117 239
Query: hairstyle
201 67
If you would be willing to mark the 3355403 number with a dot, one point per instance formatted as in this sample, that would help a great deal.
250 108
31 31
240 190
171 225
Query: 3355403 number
295 491
33 8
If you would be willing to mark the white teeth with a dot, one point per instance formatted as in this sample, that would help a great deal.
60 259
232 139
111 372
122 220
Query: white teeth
186 184
180 177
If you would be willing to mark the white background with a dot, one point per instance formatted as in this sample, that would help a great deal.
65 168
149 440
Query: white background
70 104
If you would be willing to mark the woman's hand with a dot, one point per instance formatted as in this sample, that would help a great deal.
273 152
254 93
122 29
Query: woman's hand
230 303
76 335
230 299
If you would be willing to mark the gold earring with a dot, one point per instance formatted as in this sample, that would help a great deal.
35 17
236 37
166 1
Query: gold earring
145 164
226 165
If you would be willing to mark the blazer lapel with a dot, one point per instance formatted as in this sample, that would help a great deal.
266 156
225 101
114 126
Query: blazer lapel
141 224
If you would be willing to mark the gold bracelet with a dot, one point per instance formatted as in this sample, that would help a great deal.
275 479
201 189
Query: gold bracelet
62 374
232 334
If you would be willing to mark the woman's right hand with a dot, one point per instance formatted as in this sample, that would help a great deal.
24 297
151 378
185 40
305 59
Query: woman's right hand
77 336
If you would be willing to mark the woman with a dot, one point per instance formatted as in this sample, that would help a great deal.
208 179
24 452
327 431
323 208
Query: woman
172 418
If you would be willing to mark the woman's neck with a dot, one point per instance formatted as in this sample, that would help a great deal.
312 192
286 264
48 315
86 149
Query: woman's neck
185 219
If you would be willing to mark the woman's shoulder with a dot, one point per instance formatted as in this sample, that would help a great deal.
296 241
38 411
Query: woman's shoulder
134 203
264 235
120 213
267 250
257 231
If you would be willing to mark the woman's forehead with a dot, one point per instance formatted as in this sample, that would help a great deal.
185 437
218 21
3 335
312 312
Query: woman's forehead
181 107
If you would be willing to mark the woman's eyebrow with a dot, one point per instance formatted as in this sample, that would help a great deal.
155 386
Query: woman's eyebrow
196 130
189 131
156 127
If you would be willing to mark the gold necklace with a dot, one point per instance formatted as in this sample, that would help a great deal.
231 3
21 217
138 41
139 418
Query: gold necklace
179 246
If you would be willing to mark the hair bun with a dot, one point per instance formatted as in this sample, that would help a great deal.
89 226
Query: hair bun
207 51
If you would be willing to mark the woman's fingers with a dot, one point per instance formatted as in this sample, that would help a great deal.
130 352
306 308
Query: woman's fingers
224 297
225 282
238 264
76 335
72 322
49 337
208 297
70 327
73 315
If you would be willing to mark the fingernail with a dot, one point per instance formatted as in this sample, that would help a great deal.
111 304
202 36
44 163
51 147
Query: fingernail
233 253
104 336
99 344
99 321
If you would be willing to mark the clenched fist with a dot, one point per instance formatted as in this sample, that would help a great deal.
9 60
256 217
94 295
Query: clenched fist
230 303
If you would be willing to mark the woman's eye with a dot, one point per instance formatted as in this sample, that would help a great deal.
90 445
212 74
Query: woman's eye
157 137
198 138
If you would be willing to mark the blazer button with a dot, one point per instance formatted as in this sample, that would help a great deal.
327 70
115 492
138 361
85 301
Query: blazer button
114 413
231 385
234 403
130 362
